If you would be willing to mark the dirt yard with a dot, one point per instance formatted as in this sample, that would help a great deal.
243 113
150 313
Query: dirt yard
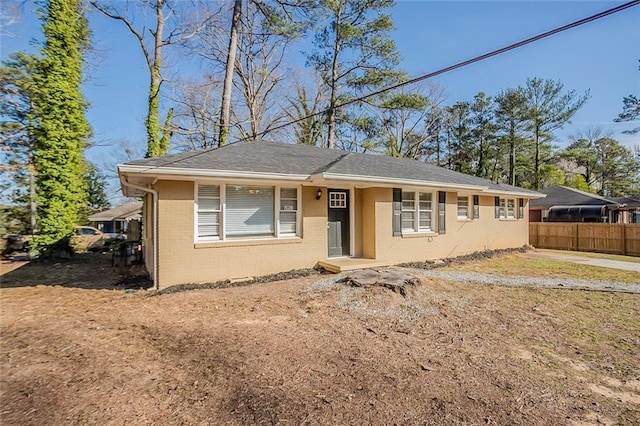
308 351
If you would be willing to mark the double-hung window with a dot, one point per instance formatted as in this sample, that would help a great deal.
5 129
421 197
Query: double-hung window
506 208
408 211
463 208
246 211
417 211
288 211
209 211
426 212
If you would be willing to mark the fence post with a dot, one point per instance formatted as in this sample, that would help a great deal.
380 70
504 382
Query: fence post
624 239
575 237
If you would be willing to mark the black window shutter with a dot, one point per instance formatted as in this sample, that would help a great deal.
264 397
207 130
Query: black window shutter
476 207
397 212
497 207
520 208
442 213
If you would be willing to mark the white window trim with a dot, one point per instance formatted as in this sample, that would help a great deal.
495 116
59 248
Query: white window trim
223 212
504 209
416 218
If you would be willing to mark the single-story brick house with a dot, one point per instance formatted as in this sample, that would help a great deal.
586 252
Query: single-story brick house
251 209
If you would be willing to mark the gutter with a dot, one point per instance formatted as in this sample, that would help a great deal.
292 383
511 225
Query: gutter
154 195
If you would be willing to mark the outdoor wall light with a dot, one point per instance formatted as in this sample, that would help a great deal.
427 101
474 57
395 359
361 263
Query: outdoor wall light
319 194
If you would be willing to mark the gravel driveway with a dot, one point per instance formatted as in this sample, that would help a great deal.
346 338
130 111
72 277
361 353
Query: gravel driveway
526 281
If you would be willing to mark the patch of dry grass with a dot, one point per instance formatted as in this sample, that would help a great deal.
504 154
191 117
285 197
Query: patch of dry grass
517 265
607 256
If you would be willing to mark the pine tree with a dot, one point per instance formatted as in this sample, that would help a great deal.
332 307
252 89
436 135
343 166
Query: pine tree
353 51
548 109
62 130
18 95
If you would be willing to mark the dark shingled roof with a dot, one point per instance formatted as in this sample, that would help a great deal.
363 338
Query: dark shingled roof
629 202
121 212
565 196
290 159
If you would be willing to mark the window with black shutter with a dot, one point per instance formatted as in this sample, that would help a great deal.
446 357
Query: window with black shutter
397 212
442 203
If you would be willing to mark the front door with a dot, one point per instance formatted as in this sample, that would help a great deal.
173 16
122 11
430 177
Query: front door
338 222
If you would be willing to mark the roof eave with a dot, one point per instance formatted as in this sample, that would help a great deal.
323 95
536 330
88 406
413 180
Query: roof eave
391 181
160 172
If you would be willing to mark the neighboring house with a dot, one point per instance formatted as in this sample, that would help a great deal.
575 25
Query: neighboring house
116 221
250 209
564 204
631 213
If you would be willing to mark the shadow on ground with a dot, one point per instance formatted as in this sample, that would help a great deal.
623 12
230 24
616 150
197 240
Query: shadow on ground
86 270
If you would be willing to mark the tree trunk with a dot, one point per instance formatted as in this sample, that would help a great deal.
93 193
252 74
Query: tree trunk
334 88
153 110
512 154
32 194
225 109
536 171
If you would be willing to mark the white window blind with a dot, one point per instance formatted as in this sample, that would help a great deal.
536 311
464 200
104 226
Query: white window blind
208 211
463 207
249 210
288 211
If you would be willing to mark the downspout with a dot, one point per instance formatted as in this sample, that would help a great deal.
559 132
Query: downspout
154 195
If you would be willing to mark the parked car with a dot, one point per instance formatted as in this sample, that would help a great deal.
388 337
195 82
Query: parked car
17 242
88 238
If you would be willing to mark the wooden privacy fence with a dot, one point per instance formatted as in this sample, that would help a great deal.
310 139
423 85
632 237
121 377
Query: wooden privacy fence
596 237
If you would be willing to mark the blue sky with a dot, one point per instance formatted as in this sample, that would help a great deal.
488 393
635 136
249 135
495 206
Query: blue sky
601 56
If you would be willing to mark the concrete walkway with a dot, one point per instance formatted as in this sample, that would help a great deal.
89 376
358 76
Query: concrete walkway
605 263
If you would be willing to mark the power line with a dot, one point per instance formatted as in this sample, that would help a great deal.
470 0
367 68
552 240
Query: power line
459 64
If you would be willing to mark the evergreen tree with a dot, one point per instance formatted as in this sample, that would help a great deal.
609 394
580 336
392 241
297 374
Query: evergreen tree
353 52
19 93
62 129
483 133
510 122
548 109
461 153
96 196
630 111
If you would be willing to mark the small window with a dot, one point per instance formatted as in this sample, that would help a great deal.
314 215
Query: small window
209 211
408 211
463 207
511 209
338 200
425 212
288 211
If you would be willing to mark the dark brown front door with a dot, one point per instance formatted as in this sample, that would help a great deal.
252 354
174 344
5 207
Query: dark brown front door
338 228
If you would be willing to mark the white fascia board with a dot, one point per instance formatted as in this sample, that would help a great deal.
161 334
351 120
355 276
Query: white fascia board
163 172
395 181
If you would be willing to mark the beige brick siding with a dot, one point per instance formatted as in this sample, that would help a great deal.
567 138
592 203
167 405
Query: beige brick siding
181 260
